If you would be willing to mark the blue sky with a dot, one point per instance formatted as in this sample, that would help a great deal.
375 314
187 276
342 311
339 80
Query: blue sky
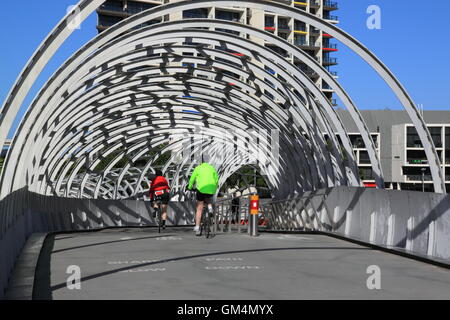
413 43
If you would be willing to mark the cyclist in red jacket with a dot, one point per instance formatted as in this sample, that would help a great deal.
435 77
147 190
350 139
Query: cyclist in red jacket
159 188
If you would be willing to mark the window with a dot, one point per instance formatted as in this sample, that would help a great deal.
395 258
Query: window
107 21
136 7
116 6
436 135
412 138
364 157
195 13
283 24
227 15
299 26
300 40
270 22
366 174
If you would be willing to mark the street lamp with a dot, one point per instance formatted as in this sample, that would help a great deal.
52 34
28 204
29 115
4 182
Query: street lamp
423 179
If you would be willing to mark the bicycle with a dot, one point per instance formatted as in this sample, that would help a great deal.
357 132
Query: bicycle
207 218
158 211
207 222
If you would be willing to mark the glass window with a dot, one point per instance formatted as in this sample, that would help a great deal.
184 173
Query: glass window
412 138
227 15
300 40
364 157
366 174
436 135
195 13
299 26
447 138
116 6
283 24
270 22
107 21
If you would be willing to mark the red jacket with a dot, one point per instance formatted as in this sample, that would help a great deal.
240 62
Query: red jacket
159 183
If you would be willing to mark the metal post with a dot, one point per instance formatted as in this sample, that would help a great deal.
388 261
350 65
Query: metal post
253 216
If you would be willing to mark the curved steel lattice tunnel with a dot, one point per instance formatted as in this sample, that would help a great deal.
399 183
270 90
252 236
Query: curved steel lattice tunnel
166 95
130 91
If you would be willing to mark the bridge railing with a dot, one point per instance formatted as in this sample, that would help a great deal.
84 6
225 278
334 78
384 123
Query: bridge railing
414 222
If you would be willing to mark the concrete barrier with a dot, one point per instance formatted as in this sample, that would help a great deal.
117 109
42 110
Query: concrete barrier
415 222
24 213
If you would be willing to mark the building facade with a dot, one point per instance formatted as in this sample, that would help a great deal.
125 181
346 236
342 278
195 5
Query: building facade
403 159
313 41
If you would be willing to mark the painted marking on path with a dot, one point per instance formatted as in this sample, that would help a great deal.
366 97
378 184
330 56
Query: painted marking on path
169 238
224 259
232 268
291 237
143 270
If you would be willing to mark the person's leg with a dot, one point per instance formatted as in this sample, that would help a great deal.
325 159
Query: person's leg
198 214
164 212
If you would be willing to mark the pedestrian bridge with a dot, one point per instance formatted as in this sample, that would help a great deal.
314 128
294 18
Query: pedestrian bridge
144 95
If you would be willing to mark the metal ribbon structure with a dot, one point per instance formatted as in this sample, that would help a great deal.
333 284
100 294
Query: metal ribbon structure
128 91
166 95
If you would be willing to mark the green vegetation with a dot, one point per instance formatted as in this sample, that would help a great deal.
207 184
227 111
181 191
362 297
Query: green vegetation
1 164
247 172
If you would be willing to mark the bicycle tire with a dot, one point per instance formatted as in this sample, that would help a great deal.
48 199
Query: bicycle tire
207 227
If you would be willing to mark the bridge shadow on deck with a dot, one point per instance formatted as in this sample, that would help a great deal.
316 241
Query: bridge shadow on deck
43 290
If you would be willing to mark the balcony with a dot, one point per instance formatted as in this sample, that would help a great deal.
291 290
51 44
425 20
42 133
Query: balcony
301 3
330 47
330 5
300 28
314 3
326 87
270 26
307 45
113 8
327 61
331 17
334 74
309 72
418 178
314 31
283 26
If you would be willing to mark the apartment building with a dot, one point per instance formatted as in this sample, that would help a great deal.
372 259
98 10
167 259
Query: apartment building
403 159
313 41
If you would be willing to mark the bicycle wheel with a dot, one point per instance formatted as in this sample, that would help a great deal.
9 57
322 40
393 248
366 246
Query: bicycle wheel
207 225
202 223
158 217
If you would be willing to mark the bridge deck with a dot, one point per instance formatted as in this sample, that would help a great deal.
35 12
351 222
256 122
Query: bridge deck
141 264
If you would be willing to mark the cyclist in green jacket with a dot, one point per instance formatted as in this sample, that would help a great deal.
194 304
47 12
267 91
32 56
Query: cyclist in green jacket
206 180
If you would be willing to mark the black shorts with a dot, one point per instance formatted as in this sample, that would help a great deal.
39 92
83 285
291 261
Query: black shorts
165 198
204 196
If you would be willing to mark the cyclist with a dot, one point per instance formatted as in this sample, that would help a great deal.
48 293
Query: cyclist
159 188
206 180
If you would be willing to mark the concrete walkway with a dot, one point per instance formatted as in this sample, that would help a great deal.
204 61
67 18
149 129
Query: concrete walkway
142 264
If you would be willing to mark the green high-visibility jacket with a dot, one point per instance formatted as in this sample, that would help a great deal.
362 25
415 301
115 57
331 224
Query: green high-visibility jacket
206 179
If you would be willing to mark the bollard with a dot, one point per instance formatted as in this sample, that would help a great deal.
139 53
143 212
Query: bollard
253 216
